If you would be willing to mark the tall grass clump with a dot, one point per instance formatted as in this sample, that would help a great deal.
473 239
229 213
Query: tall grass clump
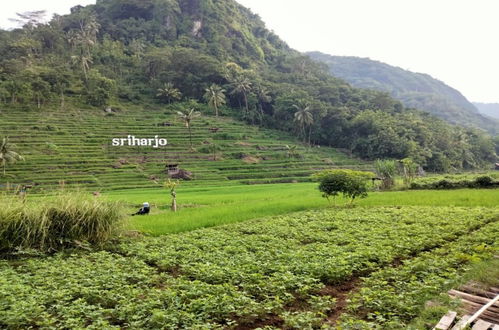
386 169
52 223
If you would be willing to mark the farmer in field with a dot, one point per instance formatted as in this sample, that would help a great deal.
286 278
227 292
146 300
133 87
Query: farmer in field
143 210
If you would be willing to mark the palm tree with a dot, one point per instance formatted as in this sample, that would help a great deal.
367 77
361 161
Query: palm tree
83 61
215 96
187 117
169 93
292 152
304 118
242 85
7 155
263 96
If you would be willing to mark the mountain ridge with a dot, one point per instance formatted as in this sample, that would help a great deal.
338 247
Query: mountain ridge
415 90
488 109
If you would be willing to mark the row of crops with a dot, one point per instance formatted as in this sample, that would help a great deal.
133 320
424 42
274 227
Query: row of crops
280 272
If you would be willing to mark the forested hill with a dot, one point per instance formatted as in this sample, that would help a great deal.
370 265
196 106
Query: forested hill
488 109
415 90
119 52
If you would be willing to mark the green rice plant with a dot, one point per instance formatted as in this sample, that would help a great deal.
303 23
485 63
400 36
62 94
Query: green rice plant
52 223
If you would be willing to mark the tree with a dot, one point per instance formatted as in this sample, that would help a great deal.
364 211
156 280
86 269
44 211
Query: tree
188 117
263 97
16 88
242 86
169 93
305 119
40 90
84 40
172 186
7 154
83 62
351 184
99 89
291 151
215 96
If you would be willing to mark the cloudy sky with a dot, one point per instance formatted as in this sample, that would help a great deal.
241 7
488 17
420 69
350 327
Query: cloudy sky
455 41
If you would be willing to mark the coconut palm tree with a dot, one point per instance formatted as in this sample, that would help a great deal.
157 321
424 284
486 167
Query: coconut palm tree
242 86
7 154
264 97
292 151
215 96
304 118
169 93
188 117
84 62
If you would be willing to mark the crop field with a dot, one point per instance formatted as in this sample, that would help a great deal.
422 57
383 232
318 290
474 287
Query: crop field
211 206
238 254
290 271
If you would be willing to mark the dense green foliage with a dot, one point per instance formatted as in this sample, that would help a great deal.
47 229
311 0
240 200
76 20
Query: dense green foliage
351 184
414 90
52 223
277 271
161 50
457 181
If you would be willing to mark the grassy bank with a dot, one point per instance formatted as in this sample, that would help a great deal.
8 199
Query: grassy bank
48 224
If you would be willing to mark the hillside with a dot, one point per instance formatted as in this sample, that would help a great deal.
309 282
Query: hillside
75 149
130 53
488 109
415 90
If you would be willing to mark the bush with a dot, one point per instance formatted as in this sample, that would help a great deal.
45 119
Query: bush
351 184
484 181
458 181
55 223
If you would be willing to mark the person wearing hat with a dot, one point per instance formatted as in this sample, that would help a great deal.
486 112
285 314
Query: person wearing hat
144 209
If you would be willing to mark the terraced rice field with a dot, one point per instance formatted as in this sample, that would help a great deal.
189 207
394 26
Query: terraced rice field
74 148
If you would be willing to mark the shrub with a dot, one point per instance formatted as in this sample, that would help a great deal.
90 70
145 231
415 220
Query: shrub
54 223
351 184
484 181
458 181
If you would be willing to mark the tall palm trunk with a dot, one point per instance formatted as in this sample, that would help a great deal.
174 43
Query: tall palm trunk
174 201
246 103
62 100
190 134
309 134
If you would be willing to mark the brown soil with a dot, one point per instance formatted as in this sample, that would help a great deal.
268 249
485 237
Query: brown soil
340 293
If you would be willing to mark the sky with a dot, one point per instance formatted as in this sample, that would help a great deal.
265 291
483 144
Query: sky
455 41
